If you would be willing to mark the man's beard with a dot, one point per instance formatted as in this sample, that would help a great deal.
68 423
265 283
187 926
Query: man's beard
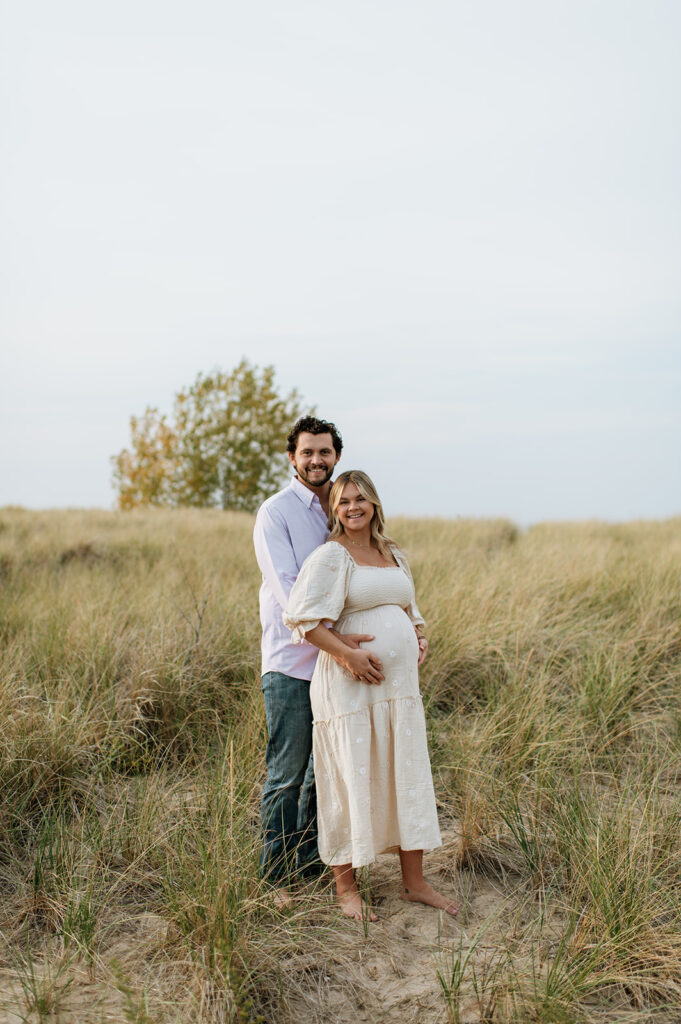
315 480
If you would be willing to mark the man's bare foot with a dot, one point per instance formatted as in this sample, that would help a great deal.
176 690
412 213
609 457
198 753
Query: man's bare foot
282 899
352 905
426 894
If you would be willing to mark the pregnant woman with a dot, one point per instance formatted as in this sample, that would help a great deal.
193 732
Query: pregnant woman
374 785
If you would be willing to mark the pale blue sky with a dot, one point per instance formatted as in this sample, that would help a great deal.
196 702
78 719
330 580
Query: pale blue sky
454 227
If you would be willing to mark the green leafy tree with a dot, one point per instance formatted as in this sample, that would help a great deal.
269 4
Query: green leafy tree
224 448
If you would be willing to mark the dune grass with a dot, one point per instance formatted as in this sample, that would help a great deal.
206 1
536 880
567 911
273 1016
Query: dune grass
132 756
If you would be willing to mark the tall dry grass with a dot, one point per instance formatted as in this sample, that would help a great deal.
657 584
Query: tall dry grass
131 760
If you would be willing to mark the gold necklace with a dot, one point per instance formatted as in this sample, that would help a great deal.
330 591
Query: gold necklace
356 545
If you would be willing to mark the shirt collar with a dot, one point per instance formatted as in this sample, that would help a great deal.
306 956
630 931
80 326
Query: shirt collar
304 493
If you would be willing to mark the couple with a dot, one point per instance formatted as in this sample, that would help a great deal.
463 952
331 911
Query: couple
325 559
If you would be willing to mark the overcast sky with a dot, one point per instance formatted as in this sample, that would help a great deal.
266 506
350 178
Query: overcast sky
454 227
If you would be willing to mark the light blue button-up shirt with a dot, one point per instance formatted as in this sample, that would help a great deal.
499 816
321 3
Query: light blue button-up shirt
288 527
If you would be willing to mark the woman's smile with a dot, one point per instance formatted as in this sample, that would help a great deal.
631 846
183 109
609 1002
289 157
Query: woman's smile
354 510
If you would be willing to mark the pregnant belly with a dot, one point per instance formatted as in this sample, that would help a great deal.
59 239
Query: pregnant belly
395 641
334 692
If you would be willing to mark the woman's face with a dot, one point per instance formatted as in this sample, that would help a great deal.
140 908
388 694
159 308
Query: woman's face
354 512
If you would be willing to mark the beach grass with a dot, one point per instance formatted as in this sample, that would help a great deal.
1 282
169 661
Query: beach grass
132 759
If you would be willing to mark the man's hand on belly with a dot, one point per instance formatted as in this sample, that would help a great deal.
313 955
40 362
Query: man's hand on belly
353 640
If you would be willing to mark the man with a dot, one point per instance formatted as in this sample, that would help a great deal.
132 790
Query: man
288 527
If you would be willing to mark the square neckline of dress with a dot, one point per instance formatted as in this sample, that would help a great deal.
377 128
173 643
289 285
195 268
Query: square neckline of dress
359 565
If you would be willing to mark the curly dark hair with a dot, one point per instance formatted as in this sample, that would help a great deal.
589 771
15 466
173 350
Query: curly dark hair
311 425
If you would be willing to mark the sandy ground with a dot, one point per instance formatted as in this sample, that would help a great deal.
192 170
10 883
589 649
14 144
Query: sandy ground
386 971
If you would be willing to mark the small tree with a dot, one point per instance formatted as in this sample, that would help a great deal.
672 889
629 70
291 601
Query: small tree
144 474
225 447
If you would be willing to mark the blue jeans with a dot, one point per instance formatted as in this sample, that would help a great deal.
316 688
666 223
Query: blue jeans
289 799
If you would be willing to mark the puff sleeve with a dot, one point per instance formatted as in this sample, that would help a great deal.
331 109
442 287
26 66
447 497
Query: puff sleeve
318 595
411 609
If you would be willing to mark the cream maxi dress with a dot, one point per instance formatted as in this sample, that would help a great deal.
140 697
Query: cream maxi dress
374 784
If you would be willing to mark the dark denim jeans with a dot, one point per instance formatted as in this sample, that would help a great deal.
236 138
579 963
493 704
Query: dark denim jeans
289 799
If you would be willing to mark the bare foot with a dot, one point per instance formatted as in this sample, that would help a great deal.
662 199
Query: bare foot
282 899
352 905
426 894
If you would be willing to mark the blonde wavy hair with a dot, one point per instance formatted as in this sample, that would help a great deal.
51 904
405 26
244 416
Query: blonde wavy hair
364 485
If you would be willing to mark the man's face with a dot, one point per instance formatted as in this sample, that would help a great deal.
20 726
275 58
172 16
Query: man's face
314 458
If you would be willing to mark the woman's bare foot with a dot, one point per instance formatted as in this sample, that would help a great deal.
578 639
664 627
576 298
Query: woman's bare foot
426 894
352 905
349 899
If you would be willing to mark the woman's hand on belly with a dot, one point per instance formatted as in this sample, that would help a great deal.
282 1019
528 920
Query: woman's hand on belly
364 666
